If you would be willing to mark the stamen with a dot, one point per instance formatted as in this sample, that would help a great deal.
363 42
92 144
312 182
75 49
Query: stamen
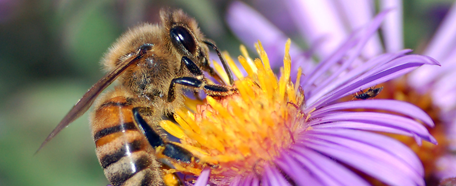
235 131
221 71
249 60
233 65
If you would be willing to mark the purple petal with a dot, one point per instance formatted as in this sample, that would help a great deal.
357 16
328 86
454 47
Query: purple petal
273 177
391 69
265 180
451 134
422 78
374 146
381 119
392 27
358 14
363 38
400 107
236 180
321 175
443 41
443 93
409 63
203 177
442 47
363 126
337 171
446 166
255 28
385 143
326 64
319 23
329 86
449 66
364 161
269 177
279 177
255 181
403 60
276 12
384 76
247 181
299 174
435 78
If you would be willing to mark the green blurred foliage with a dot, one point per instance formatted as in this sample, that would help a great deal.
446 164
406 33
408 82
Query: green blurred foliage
421 19
49 53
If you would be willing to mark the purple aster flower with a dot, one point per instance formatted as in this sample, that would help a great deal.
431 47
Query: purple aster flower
324 25
284 131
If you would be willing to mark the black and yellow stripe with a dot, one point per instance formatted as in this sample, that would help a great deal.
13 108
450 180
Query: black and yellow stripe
123 151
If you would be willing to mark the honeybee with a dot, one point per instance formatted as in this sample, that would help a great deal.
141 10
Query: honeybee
370 93
154 64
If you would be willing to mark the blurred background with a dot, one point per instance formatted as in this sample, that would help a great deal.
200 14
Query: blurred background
49 57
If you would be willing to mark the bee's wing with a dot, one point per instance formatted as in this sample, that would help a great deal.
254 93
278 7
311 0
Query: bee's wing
86 101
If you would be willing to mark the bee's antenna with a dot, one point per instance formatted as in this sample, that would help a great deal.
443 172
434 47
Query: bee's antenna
225 65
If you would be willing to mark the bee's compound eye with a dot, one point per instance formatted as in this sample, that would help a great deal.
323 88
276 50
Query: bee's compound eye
180 36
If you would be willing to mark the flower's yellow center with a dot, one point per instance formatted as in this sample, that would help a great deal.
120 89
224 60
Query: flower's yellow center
238 134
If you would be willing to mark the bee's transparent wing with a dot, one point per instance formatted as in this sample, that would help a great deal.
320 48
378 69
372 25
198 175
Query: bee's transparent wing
89 97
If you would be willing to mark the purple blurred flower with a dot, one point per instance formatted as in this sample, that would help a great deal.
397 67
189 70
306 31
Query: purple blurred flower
328 138
441 85
448 182
325 25
440 82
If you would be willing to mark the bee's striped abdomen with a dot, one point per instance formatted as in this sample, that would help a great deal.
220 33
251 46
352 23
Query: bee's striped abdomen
123 151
